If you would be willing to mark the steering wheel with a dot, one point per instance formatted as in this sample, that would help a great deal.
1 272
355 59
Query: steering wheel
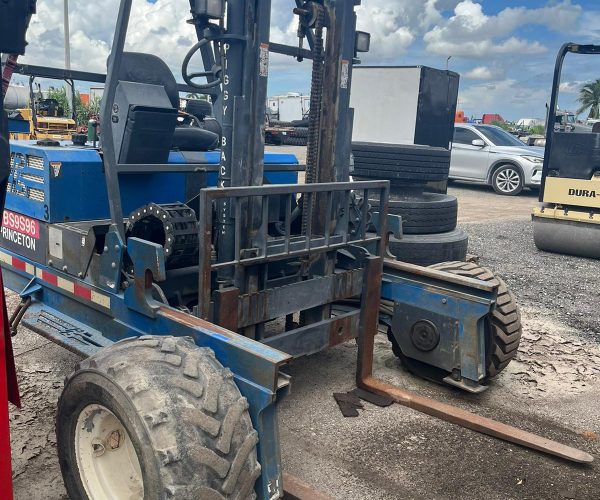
189 77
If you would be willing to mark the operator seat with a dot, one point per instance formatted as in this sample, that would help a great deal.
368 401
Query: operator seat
150 112
150 129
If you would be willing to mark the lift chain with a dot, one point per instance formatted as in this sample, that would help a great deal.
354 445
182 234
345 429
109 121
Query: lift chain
314 117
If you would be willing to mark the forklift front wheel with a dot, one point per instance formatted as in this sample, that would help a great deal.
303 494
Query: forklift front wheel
155 417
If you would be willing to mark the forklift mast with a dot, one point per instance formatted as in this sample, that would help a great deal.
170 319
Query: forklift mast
233 41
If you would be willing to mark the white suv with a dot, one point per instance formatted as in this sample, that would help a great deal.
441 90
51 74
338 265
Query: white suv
486 154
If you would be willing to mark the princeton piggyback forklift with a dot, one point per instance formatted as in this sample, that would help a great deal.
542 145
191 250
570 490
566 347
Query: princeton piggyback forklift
568 218
188 301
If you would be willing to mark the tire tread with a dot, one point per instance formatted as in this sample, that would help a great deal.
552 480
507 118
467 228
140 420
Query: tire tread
196 420
505 320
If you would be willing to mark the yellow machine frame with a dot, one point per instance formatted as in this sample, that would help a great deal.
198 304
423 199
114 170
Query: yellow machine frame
48 127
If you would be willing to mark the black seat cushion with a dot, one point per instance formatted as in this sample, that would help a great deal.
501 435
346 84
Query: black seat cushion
194 139
199 108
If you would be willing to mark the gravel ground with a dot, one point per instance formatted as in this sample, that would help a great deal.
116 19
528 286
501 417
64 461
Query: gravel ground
567 288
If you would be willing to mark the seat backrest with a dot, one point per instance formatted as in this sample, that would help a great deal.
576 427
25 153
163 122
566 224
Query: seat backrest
575 155
145 109
147 68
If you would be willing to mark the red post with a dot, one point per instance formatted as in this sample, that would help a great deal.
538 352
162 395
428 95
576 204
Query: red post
8 392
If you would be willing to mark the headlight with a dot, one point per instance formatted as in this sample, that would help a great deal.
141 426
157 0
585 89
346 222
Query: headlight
533 159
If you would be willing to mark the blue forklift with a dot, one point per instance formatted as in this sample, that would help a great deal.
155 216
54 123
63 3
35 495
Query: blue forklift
188 268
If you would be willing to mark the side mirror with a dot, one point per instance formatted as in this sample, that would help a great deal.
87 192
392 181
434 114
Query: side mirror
480 143
362 42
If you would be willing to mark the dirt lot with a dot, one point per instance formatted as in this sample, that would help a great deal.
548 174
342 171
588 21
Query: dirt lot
552 389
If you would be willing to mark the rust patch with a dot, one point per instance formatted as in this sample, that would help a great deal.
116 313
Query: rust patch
344 328
590 436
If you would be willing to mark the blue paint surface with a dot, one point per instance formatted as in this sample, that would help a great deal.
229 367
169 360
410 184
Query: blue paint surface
72 186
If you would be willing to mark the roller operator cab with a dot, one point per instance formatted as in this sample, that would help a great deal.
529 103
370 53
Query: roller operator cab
568 217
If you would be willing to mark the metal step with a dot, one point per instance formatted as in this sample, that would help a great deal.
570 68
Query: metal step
63 330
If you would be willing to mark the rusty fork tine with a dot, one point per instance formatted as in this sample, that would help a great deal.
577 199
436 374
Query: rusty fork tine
474 422
296 489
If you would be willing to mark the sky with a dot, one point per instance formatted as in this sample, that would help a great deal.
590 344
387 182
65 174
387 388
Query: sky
504 50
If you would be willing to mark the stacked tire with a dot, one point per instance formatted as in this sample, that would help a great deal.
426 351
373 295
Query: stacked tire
298 137
430 234
295 133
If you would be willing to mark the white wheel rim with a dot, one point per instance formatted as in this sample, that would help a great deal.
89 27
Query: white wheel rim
508 180
108 464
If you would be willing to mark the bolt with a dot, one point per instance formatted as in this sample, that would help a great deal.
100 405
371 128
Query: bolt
80 275
114 439
117 248
50 263
113 265
64 269
444 301
106 249
98 448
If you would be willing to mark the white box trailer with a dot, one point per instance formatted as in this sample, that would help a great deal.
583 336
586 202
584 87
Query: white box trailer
403 105
289 107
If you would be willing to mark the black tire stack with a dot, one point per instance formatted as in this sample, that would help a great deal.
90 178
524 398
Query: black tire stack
429 220
295 135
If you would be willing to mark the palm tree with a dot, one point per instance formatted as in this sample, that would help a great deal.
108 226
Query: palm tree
589 97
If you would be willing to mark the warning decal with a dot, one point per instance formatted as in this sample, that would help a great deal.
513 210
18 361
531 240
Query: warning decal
263 69
344 74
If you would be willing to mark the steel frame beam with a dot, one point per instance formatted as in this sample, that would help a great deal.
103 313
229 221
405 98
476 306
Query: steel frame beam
69 74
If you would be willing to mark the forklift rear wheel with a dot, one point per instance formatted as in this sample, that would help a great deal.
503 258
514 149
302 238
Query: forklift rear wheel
503 326
507 180
155 417
504 321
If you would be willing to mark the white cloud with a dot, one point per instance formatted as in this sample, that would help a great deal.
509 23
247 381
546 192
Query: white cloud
473 34
571 87
389 39
396 25
502 96
461 28
157 28
479 73
485 48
